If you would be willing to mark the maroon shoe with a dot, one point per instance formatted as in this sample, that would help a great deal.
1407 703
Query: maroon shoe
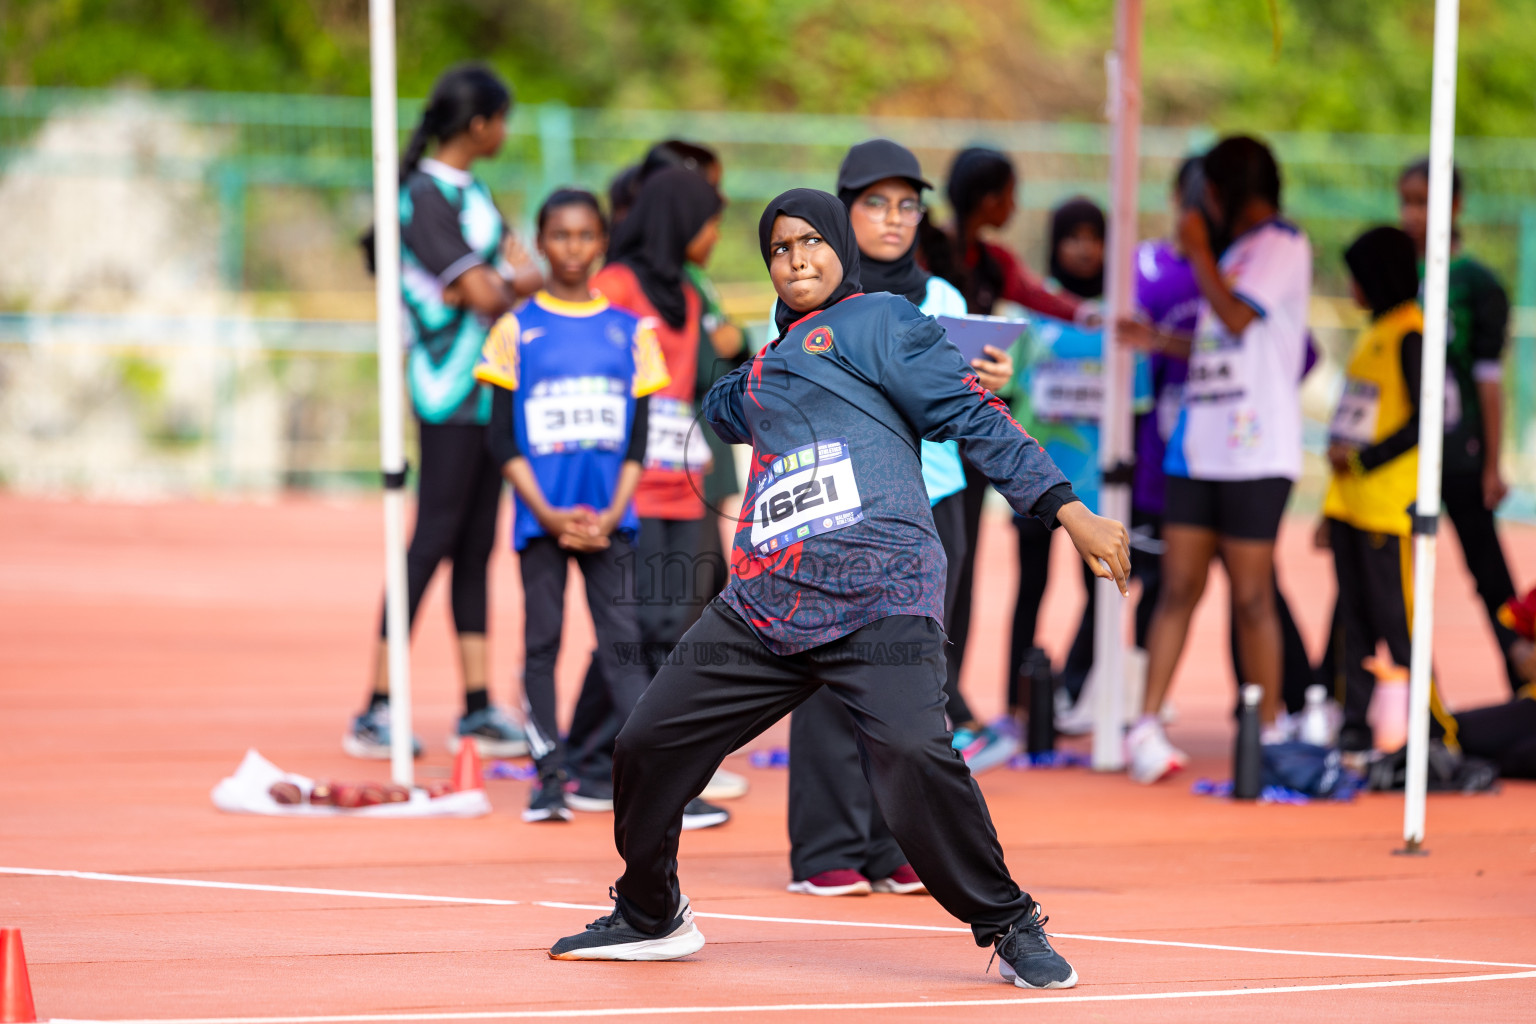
844 882
903 882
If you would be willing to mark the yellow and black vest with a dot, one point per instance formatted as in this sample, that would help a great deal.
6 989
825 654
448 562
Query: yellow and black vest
1375 405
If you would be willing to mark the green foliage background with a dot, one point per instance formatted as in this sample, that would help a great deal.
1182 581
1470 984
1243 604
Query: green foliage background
1355 65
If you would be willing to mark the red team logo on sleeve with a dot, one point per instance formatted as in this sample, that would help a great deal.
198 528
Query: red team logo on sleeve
818 341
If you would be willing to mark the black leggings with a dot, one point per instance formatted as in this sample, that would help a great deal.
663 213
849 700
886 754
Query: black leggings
1034 568
457 494
724 687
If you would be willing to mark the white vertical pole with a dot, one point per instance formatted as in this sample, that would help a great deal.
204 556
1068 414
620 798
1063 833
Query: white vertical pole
1442 144
1115 418
386 227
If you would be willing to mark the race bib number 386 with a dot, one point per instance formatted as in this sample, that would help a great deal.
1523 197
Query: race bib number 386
805 494
576 412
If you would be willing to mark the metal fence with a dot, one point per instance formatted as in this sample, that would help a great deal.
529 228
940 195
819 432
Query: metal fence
275 302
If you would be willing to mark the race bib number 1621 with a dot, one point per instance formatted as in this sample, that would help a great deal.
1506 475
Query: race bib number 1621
806 493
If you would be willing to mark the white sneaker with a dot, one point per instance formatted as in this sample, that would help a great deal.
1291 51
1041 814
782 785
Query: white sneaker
1148 754
1074 719
725 786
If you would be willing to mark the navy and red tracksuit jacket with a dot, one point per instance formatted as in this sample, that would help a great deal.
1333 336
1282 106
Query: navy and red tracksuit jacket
850 391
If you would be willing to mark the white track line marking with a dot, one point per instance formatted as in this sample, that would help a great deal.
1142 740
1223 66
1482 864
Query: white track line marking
655 1011
95 876
198 883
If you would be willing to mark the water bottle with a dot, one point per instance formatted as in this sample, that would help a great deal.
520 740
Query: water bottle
1248 758
1042 701
1316 722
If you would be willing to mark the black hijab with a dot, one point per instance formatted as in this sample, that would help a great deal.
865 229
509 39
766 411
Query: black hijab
672 206
827 215
866 164
1066 219
1385 265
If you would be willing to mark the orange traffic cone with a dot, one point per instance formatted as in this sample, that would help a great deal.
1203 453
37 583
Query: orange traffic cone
15 989
466 767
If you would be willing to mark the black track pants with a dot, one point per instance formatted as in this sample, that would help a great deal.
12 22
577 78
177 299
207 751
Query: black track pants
723 687
833 821
1375 577
617 659
1504 734
957 620
670 579
1463 496
949 520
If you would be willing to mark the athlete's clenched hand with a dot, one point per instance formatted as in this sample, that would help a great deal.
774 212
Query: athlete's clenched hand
1103 543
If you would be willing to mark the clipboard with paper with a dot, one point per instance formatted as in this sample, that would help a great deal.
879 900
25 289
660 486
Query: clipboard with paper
970 334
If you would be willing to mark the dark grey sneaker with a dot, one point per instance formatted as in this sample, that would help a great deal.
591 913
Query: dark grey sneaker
493 733
547 801
1025 956
701 814
591 796
612 938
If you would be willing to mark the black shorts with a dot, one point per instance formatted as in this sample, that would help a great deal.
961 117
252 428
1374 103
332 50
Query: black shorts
1241 509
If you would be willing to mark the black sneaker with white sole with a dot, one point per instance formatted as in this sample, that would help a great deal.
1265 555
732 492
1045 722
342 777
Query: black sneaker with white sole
547 801
592 796
613 938
699 814
1025 956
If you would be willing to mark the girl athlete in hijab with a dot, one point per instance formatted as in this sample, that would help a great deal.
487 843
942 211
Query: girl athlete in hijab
837 580
1373 449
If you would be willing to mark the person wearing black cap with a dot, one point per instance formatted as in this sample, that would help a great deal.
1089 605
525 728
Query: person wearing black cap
839 843
837 581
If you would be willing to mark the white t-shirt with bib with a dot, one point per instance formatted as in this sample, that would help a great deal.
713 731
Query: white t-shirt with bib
1241 415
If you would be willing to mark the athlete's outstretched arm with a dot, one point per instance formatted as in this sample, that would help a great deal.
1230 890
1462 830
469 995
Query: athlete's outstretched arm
927 380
